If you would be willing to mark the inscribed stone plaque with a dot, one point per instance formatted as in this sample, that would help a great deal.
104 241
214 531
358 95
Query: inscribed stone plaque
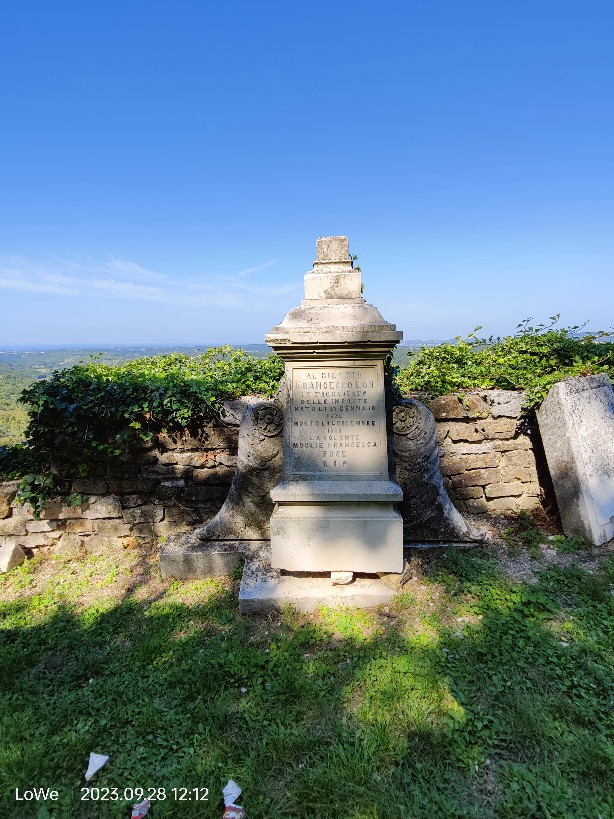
337 421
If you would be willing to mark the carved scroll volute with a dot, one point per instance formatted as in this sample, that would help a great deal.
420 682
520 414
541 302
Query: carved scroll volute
414 427
269 418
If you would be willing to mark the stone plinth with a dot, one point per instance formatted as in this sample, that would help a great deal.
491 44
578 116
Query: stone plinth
576 422
335 506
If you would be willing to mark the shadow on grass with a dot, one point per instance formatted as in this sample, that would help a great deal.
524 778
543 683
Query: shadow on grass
472 697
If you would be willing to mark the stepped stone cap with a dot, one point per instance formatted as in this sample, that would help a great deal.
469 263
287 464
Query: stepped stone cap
333 276
333 316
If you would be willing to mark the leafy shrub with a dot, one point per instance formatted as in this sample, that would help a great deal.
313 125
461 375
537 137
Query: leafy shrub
531 360
91 413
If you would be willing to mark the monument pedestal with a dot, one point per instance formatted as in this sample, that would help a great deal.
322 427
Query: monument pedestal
335 506
322 526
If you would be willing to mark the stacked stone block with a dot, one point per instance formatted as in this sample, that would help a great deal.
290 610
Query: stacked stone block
180 481
486 450
173 484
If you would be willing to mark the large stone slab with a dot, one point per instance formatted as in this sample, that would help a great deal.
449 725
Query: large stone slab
11 556
576 422
266 589
186 556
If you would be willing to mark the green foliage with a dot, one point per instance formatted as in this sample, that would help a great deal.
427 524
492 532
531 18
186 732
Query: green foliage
91 413
531 360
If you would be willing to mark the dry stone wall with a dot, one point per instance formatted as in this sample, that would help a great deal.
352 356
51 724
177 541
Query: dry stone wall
487 452
177 482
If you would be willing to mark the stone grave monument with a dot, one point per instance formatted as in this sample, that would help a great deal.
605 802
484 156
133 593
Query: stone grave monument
335 505
322 468
576 423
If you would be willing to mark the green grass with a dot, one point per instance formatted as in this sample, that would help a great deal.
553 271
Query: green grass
472 696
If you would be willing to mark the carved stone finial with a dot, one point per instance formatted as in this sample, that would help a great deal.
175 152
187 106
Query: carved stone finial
332 249
332 276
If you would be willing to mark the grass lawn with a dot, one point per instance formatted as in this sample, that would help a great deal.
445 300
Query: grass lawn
476 694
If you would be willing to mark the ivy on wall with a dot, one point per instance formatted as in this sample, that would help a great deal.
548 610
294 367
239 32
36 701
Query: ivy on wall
532 360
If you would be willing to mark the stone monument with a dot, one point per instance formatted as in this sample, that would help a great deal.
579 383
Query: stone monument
320 467
335 507
576 423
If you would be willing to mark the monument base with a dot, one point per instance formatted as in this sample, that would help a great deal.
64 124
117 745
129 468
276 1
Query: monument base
265 589
326 537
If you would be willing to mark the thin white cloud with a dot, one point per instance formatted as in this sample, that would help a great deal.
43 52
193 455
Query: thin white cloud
257 268
126 280
134 270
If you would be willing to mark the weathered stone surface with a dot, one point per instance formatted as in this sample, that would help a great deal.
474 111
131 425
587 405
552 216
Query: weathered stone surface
13 526
508 474
576 422
246 512
130 501
459 406
102 507
500 427
197 459
220 476
475 477
38 539
52 509
453 450
475 505
519 458
341 578
181 516
166 471
333 249
226 459
143 514
504 403
78 526
41 526
459 431
131 485
8 490
89 486
123 469
480 430
169 457
234 409
504 490
521 504
218 437
428 512
454 465
468 492
202 493
167 441
264 589
11 556
111 528
185 556
519 441
148 531
103 543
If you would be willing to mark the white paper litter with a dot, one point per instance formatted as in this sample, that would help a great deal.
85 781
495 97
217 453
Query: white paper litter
140 809
95 764
231 792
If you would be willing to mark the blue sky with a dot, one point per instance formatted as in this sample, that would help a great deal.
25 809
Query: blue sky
165 168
